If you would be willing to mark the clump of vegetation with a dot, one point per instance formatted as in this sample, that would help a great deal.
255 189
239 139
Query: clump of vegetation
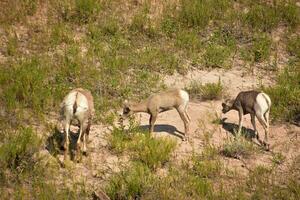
208 91
259 50
293 46
131 183
238 147
285 94
153 152
199 13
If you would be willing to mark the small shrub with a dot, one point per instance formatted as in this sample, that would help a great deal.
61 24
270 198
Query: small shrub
238 147
169 25
153 152
290 13
132 183
209 91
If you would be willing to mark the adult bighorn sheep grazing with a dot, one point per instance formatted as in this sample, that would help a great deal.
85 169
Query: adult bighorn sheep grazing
254 103
161 102
78 104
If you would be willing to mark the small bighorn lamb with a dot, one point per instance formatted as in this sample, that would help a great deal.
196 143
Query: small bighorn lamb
161 102
78 104
254 103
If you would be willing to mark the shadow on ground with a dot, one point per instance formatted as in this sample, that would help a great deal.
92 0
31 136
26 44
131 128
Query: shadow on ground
55 143
165 128
233 128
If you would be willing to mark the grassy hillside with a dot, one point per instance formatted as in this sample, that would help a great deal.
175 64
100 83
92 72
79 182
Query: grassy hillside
122 49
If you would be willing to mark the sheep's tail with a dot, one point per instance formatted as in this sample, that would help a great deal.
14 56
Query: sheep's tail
75 104
268 100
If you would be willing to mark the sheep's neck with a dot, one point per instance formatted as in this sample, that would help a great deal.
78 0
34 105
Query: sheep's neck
140 107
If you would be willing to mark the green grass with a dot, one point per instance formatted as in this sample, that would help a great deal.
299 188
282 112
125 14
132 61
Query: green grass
293 46
285 94
208 91
153 152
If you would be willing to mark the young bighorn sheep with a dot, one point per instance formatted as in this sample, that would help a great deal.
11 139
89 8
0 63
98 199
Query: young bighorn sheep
254 103
78 104
161 102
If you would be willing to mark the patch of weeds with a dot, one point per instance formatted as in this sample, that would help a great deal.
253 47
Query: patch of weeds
259 50
157 60
24 84
131 183
87 10
153 152
61 33
188 40
18 148
290 13
238 147
195 13
215 56
293 46
278 158
206 165
285 94
262 17
16 11
169 25
208 91
12 45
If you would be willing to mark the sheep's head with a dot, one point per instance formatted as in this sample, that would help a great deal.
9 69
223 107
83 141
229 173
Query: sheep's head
227 105
127 111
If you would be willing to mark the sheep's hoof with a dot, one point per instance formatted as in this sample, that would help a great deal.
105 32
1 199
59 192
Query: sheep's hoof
266 146
85 153
185 138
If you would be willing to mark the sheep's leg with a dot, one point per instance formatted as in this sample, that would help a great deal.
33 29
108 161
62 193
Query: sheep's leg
152 120
67 142
185 120
186 113
266 115
255 129
241 113
265 126
78 154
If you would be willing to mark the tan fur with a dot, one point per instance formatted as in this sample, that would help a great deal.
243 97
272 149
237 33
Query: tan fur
161 102
78 104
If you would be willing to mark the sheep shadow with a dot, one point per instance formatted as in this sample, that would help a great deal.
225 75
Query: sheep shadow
164 128
233 129
55 142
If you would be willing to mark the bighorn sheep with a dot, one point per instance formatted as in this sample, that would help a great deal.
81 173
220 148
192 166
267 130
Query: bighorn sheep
78 104
161 102
254 103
